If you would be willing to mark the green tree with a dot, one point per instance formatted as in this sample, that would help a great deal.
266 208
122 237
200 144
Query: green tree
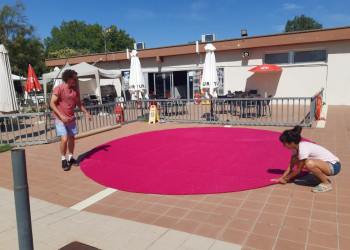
300 23
24 51
67 52
12 21
18 37
78 38
118 40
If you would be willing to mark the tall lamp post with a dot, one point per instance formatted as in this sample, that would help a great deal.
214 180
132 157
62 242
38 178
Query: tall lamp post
105 31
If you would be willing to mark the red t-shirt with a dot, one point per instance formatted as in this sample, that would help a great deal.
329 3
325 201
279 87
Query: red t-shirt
67 99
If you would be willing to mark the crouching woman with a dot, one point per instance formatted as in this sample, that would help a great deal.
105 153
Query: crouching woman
310 156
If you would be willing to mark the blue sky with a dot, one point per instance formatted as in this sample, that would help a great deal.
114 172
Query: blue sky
162 22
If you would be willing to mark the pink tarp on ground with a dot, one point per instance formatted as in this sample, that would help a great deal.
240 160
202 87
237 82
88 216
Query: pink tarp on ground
189 161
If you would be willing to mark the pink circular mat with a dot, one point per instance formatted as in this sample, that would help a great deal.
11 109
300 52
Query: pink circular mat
189 161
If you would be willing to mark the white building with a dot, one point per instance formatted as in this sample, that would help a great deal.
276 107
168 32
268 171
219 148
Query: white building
310 60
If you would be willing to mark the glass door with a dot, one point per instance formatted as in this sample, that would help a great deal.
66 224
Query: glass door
164 85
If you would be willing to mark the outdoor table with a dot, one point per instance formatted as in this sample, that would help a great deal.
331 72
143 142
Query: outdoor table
94 101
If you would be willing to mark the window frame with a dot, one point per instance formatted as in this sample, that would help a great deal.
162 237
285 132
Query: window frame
291 56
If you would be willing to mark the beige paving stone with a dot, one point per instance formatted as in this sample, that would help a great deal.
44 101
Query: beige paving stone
159 245
198 242
94 232
53 208
43 246
83 216
173 237
49 219
10 245
65 213
62 225
8 235
117 240
153 232
222 245
138 243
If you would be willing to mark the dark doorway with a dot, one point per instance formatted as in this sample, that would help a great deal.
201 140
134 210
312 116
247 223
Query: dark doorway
180 84
151 84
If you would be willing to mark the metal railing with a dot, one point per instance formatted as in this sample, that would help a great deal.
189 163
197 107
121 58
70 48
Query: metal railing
38 128
284 111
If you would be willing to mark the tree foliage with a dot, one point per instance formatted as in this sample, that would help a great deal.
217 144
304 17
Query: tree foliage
73 38
24 51
18 37
12 21
300 23
67 52
78 38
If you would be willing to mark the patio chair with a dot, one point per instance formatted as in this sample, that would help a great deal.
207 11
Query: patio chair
249 108
264 106
86 101
94 100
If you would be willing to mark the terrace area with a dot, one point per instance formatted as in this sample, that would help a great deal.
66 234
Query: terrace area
273 217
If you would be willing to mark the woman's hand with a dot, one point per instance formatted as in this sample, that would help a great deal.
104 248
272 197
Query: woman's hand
280 180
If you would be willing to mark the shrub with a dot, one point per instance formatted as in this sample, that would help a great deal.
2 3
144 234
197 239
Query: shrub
5 148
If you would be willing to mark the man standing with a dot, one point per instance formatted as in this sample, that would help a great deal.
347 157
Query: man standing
63 101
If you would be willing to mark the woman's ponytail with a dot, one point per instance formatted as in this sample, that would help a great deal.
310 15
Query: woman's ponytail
291 135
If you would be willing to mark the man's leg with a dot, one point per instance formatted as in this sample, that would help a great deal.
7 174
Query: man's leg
63 148
71 144
63 145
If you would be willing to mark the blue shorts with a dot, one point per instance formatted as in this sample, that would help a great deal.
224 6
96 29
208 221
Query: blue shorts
62 129
335 168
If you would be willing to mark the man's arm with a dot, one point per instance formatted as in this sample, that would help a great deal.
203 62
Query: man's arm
53 105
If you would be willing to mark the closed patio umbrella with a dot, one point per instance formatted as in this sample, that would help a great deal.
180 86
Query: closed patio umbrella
137 84
266 68
210 81
8 100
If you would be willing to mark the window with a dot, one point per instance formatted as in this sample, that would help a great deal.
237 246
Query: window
221 75
197 75
296 57
139 46
208 38
310 56
277 58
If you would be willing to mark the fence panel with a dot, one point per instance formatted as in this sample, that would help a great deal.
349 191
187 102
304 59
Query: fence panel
38 128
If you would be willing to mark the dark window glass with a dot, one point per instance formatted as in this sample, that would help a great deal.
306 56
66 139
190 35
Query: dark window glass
310 56
209 38
277 58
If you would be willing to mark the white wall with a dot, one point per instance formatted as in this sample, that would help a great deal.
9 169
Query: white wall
295 80
87 87
338 81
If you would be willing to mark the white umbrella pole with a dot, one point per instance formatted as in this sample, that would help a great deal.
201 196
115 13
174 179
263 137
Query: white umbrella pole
265 87
36 99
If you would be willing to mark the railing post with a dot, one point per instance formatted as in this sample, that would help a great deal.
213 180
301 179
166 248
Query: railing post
21 193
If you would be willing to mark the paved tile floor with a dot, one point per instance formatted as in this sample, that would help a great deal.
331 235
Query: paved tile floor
276 217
